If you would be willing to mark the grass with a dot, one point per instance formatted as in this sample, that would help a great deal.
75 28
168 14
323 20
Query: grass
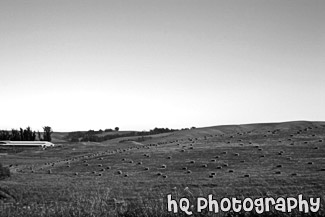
61 192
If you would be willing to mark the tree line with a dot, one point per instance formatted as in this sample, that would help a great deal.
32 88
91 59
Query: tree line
92 136
27 134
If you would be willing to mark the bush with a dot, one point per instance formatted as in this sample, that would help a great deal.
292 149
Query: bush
4 172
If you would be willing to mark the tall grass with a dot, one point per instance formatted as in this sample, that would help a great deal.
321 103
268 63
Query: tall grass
103 203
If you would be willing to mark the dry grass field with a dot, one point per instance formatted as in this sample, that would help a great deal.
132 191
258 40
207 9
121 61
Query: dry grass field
130 178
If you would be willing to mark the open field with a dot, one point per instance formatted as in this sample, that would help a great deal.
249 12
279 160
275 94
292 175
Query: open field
256 160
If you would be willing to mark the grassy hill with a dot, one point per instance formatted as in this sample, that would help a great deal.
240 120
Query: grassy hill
251 160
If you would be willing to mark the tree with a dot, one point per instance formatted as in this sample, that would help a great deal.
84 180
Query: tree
15 136
28 134
116 128
47 133
39 136
21 132
4 135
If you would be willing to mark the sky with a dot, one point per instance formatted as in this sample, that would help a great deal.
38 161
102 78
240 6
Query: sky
139 64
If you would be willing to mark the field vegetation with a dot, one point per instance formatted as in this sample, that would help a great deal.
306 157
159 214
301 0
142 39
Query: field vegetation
130 176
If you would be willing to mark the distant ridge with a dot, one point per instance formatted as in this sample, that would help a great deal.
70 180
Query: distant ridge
225 129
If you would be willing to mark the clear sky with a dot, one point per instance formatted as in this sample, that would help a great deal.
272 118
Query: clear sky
140 64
